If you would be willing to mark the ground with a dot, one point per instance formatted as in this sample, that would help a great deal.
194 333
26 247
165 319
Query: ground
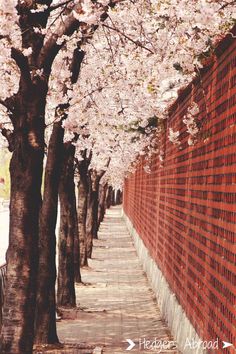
115 301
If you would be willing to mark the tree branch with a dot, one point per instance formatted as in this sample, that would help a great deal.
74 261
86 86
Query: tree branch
227 4
44 2
67 27
51 48
78 56
22 63
8 134
5 104
55 7
102 172
137 43
9 103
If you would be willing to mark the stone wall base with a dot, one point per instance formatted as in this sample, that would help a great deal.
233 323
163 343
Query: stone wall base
171 311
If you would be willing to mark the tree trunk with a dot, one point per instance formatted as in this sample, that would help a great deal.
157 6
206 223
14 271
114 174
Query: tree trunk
45 321
77 273
22 255
68 230
82 214
113 197
89 219
27 144
92 210
101 203
118 197
46 305
95 208
83 189
109 197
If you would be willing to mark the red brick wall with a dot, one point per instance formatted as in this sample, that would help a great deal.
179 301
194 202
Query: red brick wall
185 210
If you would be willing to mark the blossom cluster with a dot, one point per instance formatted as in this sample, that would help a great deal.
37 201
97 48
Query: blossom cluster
191 123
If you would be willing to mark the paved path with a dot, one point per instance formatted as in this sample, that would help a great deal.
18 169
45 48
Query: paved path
116 302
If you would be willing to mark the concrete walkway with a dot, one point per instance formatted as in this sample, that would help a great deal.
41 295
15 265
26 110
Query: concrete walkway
115 303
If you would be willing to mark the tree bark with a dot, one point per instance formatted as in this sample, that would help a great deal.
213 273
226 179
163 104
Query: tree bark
101 203
68 230
82 214
118 197
77 273
109 197
25 200
89 219
95 208
83 189
45 321
113 197
92 209
46 304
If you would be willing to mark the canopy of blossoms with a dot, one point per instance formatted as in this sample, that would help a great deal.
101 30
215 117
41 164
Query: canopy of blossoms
135 63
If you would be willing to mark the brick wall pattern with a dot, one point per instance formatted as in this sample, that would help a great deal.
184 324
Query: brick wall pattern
185 209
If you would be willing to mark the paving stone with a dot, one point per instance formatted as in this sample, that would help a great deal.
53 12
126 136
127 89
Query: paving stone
115 303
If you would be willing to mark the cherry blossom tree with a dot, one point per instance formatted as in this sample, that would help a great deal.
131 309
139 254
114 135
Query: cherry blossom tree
135 64
32 34
141 63
119 109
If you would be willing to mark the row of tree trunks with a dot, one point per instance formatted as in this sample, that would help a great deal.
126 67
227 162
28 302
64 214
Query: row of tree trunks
31 266
45 324
114 197
31 254
93 200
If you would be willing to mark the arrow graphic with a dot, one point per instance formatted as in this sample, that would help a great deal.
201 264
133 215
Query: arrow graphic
226 345
131 344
